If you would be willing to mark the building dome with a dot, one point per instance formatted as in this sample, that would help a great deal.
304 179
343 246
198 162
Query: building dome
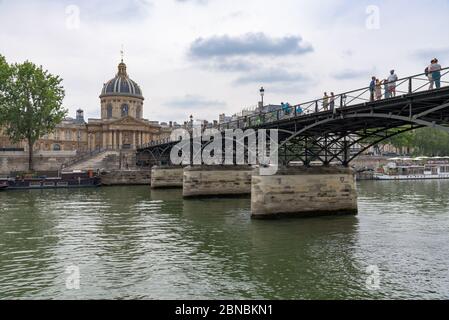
121 85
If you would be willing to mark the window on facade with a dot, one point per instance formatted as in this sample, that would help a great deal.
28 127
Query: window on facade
56 147
109 111
125 110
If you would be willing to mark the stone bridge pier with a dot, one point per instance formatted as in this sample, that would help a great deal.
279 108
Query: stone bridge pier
166 177
217 181
304 192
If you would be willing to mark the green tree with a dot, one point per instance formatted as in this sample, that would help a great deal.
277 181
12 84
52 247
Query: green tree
401 141
431 142
31 103
5 74
423 142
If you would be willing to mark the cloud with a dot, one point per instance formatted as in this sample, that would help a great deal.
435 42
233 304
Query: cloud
347 53
429 54
290 89
161 51
273 76
119 11
350 74
233 65
193 1
193 101
248 44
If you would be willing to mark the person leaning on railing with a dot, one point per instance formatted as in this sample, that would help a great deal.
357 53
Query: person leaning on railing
332 102
434 74
285 107
386 88
378 89
325 101
372 88
392 78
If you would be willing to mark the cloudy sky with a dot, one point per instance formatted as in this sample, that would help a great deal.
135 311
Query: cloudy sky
205 57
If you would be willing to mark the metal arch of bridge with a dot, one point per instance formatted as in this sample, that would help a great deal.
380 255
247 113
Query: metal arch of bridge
330 139
157 155
333 147
328 136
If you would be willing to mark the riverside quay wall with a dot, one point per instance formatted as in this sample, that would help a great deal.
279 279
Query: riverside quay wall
17 161
126 177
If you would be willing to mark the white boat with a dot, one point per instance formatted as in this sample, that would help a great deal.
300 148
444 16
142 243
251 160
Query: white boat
415 169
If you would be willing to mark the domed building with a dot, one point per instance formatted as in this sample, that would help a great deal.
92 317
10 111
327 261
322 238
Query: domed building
121 86
120 126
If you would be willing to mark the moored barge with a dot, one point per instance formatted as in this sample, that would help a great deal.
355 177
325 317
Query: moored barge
63 181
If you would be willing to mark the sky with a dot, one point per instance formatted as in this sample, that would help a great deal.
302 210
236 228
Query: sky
207 57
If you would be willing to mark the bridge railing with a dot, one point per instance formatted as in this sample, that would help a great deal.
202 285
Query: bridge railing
404 86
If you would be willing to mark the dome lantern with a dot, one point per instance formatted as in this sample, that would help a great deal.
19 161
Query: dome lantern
122 70
121 85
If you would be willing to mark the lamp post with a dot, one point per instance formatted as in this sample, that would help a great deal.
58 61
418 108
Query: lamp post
262 93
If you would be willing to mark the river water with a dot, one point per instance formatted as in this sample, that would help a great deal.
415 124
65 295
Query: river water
133 243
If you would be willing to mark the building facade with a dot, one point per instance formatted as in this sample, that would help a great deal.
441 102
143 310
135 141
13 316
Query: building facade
120 126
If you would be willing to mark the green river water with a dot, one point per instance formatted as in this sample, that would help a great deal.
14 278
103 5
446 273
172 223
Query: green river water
133 243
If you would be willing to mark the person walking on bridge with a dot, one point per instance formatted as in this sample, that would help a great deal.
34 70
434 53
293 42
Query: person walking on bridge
325 102
435 72
372 88
392 78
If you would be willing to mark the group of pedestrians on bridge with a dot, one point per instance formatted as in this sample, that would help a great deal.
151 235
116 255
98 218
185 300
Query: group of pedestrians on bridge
388 84
378 89
432 72
329 102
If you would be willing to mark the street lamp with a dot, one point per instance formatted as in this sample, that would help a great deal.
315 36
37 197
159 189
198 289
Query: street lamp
191 121
262 93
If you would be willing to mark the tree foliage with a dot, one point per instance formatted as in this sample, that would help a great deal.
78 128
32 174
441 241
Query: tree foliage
430 142
420 142
30 101
5 75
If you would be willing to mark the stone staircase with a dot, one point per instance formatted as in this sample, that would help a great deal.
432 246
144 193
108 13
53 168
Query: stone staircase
104 160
